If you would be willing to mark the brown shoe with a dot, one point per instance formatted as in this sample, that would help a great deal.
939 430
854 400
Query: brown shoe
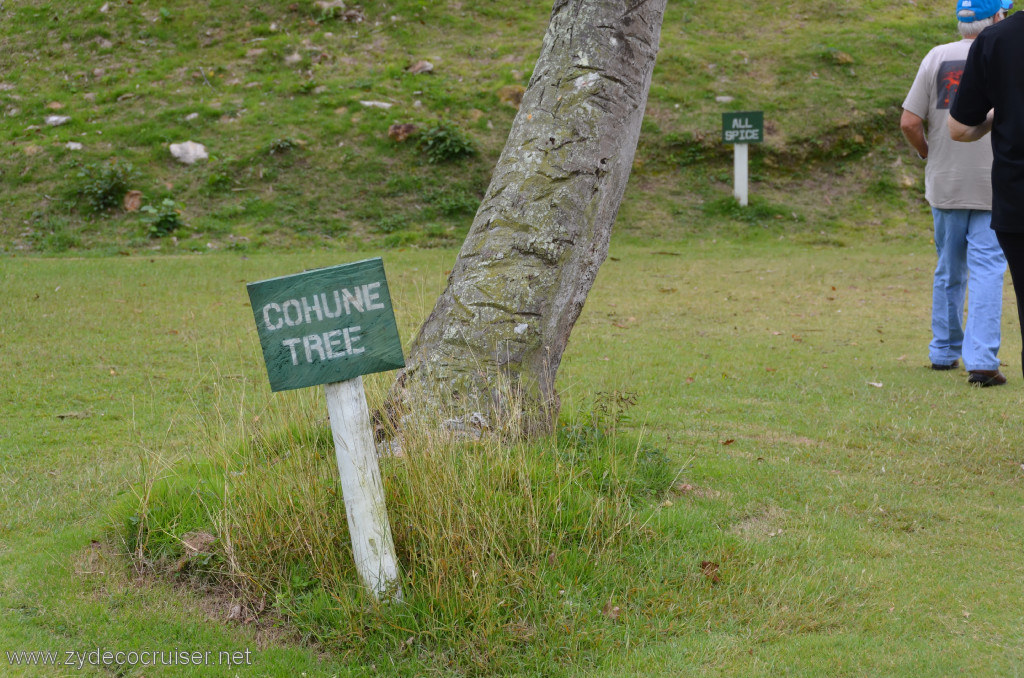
986 378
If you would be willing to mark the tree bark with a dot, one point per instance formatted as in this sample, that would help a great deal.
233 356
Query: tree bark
488 354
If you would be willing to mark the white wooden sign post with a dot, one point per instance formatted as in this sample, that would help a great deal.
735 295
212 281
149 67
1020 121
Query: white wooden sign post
740 130
373 547
330 326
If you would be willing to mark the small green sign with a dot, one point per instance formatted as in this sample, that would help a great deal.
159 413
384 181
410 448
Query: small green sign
326 325
743 128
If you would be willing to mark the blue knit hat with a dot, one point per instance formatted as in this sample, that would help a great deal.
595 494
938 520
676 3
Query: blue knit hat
976 10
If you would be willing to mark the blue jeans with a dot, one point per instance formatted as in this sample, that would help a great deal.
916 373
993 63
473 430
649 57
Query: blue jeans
966 246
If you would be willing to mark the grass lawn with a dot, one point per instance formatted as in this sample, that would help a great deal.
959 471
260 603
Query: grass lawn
839 509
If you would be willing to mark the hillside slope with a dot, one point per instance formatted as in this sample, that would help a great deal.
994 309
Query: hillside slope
293 102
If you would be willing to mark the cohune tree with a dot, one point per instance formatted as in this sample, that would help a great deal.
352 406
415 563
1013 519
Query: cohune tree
495 338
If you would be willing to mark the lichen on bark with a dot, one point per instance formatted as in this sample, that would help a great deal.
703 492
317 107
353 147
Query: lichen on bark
490 350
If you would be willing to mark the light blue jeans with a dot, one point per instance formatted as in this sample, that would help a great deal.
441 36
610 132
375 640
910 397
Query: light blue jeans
967 248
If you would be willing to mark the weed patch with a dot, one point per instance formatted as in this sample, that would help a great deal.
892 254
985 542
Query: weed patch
161 220
444 142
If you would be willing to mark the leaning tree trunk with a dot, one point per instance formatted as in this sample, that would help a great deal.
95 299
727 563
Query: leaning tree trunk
489 351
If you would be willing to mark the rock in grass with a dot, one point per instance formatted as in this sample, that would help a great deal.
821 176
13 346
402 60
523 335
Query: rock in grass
189 152
421 67
57 120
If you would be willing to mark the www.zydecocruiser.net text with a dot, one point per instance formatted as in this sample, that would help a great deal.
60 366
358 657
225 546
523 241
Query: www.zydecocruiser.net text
129 658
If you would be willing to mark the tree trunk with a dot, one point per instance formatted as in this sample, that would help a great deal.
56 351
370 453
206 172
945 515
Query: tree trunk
488 354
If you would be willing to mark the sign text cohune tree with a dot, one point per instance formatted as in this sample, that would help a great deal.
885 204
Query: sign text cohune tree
543 228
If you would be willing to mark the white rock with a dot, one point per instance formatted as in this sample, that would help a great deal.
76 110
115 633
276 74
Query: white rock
189 152
73 146
724 99
191 116
55 120
105 8
376 104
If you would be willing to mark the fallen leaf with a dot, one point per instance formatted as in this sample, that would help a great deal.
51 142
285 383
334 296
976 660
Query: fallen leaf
401 131
611 611
710 570
133 201
730 441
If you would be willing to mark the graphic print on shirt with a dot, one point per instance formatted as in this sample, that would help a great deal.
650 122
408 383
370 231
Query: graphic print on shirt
948 81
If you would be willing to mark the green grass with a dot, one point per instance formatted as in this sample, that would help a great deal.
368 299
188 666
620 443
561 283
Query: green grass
829 78
858 529
862 511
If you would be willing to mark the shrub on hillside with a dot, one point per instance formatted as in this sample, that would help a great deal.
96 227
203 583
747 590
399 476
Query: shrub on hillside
102 186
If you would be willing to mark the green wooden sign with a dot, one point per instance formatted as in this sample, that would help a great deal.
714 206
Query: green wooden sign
326 325
743 128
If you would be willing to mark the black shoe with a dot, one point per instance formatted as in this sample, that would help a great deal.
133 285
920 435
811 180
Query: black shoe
986 378
951 366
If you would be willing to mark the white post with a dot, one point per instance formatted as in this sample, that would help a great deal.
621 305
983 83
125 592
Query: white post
740 172
361 486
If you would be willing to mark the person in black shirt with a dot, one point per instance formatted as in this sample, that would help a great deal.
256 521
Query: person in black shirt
990 98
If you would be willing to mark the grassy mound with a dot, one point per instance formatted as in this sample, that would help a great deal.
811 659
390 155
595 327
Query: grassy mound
513 555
